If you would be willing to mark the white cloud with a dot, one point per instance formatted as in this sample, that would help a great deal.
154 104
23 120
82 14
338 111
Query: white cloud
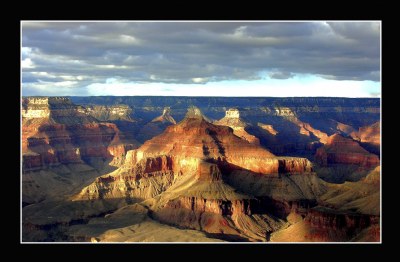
111 66
27 63
43 74
128 39
26 51
199 80
240 31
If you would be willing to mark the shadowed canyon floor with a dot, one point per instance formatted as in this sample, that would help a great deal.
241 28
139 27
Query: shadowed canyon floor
119 170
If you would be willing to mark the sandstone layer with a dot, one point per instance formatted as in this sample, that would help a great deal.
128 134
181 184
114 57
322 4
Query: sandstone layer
233 120
340 150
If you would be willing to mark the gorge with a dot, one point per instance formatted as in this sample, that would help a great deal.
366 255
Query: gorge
186 169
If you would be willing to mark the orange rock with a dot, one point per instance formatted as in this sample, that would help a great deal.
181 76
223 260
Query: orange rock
340 150
233 120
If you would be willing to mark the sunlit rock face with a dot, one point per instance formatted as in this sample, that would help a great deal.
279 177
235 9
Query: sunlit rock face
198 138
269 128
56 131
369 137
370 134
233 120
165 117
109 113
340 150
188 148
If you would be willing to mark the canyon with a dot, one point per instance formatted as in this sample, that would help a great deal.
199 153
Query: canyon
182 169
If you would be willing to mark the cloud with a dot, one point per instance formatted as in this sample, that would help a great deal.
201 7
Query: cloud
280 75
199 80
27 63
88 53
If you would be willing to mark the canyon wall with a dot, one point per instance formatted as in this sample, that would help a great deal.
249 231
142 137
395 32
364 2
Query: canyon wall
56 131
340 150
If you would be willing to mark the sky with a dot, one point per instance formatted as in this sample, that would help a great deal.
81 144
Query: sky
198 58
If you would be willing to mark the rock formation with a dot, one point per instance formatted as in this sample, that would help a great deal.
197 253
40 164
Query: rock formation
305 128
343 128
180 173
269 128
369 137
156 126
370 134
233 120
85 180
182 148
345 212
282 132
55 131
110 113
165 117
323 115
63 147
340 150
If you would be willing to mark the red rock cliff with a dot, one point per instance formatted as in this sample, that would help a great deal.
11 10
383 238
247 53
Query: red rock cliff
340 150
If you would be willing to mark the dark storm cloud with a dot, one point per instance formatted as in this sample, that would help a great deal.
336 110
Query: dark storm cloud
195 52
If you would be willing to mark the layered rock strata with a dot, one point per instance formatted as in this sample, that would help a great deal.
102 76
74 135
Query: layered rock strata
179 174
233 120
55 131
340 150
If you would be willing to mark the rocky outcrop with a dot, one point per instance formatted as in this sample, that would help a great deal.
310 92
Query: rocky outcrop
67 144
35 108
233 120
156 126
329 225
110 113
268 128
369 137
55 131
215 216
210 205
165 117
198 138
284 111
369 134
343 128
135 180
294 165
287 133
305 128
340 150
55 109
